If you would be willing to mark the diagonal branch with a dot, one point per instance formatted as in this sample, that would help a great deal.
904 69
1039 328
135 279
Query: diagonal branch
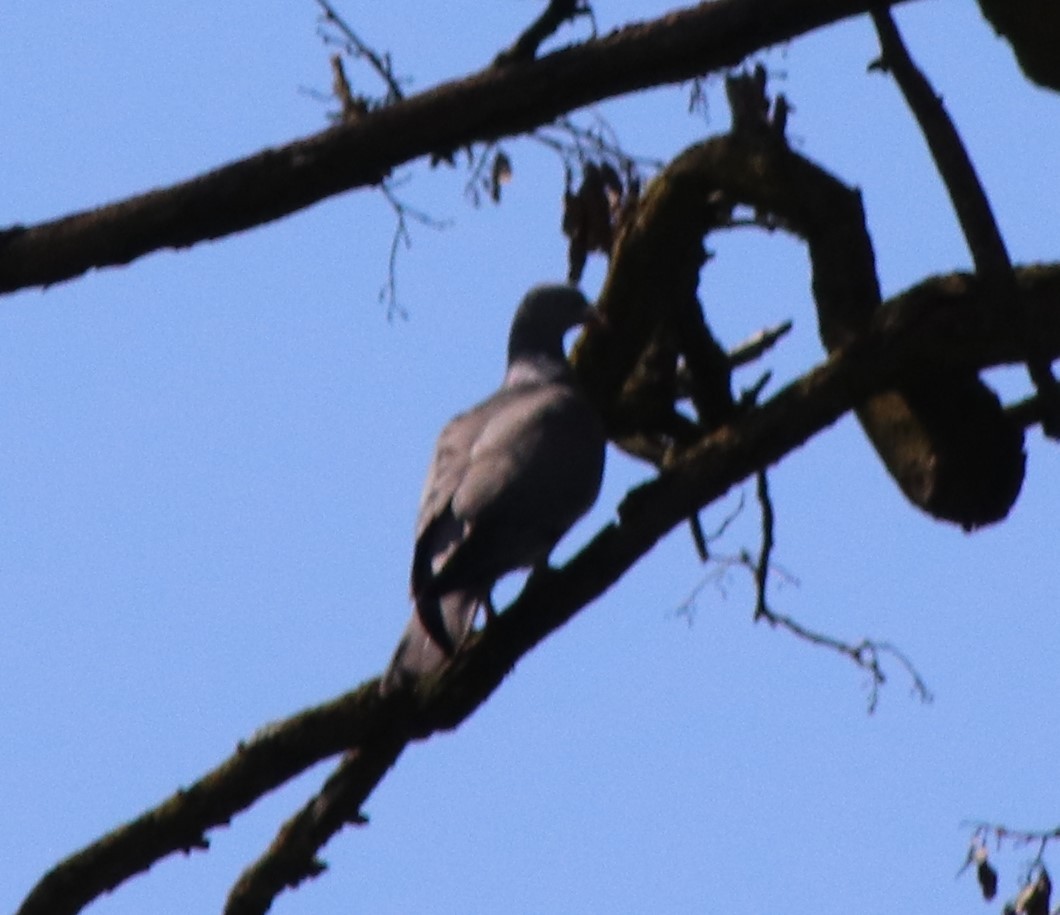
947 318
907 335
496 102
274 755
955 167
293 854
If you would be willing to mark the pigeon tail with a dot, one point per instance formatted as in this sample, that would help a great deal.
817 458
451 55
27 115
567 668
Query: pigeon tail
421 653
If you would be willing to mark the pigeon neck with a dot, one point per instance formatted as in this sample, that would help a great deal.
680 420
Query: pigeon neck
539 368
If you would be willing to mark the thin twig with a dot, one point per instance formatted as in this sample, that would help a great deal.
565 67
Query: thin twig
581 144
865 654
703 540
984 831
403 213
479 165
744 353
765 503
381 64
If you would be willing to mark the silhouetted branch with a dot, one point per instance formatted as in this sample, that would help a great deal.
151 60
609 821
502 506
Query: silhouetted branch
943 436
947 319
765 553
495 103
1027 412
556 13
292 856
984 831
402 237
866 654
703 541
955 167
271 757
974 213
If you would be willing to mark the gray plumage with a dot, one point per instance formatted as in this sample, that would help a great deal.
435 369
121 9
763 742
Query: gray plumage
508 479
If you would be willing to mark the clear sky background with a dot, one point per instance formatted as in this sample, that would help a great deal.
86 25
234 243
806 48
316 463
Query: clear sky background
210 463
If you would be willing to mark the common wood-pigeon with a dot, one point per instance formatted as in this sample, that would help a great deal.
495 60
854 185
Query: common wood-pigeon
508 479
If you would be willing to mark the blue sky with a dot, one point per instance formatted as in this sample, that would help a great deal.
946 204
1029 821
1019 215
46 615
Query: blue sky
211 461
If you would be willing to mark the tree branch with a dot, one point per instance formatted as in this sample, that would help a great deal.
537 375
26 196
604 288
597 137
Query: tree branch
974 213
556 13
496 102
292 856
700 477
946 320
942 436
271 757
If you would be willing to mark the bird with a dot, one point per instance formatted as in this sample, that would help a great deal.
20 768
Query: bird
508 479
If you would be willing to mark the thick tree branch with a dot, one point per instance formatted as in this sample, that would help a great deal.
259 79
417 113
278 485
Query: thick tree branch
911 331
943 436
946 320
496 102
974 213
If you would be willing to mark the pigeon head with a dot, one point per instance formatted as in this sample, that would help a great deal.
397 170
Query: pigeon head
542 319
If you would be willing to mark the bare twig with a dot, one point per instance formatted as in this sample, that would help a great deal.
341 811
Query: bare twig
743 354
749 396
699 538
765 553
577 144
985 831
703 540
866 654
970 202
687 607
403 213
357 48
699 98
